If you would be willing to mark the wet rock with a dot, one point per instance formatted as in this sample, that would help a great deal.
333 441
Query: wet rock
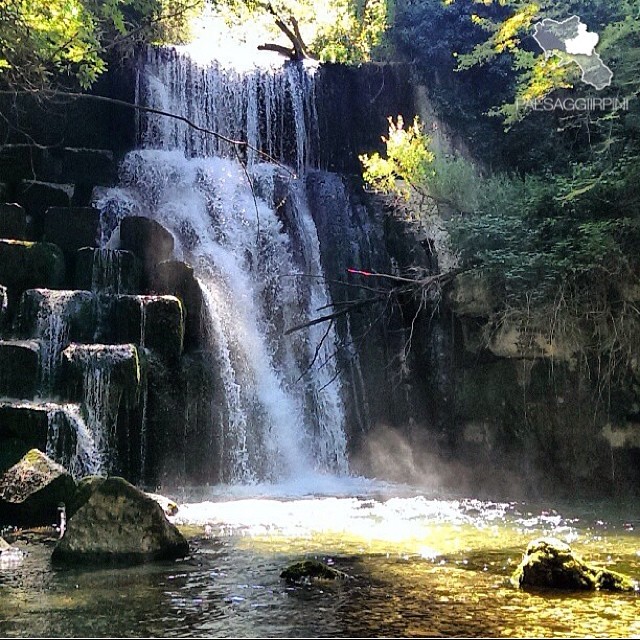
177 278
4 305
107 271
36 197
550 563
148 239
13 221
155 322
78 165
29 265
119 364
308 570
19 368
169 507
32 489
72 228
120 524
46 311
22 427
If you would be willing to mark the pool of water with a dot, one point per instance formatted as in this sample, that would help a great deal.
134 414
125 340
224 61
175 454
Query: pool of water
421 566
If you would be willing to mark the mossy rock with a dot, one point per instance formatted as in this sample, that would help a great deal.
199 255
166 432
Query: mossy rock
117 523
550 563
305 571
32 489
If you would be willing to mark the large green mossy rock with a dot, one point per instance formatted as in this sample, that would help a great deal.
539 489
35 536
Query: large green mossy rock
117 523
30 265
306 571
19 368
13 221
550 563
32 490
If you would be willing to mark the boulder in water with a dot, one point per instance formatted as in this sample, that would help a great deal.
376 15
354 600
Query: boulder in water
32 490
550 563
307 570
118 524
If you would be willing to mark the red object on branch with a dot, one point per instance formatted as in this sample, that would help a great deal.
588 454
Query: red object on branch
362 273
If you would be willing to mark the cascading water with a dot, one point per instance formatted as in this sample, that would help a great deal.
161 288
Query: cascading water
281 411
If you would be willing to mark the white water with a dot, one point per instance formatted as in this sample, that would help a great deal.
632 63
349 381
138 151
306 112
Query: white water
281 411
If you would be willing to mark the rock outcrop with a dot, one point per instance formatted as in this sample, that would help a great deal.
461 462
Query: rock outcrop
118 524
550 563
307 570
32 490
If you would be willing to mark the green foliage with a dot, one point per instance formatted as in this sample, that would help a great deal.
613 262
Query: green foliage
48 43
355 32
408 159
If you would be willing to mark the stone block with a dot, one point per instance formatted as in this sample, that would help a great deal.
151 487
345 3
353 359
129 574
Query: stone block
19 368
36 197
107 271
13 221
58 314
148 239
85 364
30 265
172 277
154 322
76 165
20 162
72 228
22 427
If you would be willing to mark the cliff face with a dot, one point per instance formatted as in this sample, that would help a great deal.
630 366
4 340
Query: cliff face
95 336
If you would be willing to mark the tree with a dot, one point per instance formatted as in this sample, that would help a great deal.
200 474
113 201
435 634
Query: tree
54 44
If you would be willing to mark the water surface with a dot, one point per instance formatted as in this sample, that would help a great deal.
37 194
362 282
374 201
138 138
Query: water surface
421 566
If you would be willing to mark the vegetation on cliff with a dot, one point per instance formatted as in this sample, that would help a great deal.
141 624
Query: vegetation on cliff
547 208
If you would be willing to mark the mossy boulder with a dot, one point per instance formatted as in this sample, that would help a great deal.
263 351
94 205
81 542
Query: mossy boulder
118 523
305 571
32 489
550 563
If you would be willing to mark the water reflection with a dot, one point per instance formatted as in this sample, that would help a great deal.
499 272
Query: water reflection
421 567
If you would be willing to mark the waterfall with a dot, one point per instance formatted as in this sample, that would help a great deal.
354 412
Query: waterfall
280 412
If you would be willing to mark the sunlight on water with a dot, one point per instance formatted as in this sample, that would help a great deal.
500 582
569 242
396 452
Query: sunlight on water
420 566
